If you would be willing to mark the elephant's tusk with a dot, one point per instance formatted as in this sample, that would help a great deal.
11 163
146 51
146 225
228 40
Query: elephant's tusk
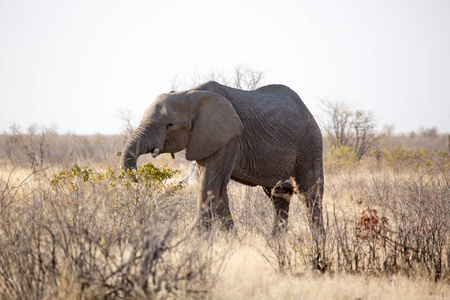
173 155
155 152
118 153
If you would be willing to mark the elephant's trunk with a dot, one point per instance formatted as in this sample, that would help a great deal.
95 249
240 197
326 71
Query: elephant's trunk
143 140
130 153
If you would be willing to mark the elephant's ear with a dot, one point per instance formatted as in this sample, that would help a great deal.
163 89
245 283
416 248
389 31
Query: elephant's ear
214 123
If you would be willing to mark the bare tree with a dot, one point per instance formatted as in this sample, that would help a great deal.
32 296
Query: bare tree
127 126
388 129
428 132
336 122
364 132
242 77
246 78
346 127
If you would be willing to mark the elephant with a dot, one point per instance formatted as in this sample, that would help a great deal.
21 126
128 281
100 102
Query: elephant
263 137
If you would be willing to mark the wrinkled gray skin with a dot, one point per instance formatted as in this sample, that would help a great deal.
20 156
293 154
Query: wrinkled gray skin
260 137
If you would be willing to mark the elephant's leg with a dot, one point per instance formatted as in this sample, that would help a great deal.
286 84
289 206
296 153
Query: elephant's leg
215 172
313 197
280 197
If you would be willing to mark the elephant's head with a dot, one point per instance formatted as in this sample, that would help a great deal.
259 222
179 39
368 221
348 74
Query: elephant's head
200 122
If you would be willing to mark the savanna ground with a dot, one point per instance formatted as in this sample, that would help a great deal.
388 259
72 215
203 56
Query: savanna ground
74 226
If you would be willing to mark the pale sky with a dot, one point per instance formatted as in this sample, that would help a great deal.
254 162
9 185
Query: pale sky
76 64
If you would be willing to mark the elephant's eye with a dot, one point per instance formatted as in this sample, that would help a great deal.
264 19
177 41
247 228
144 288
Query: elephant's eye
169 125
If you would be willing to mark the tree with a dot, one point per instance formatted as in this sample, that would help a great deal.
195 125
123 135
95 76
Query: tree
242 77
347 127
388 129
428 132
336 123
246 78
364 130
127 126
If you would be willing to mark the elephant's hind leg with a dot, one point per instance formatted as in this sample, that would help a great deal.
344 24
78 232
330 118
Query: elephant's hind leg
313 197
280 197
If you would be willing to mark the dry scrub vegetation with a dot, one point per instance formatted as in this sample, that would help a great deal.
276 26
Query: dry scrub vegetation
74 226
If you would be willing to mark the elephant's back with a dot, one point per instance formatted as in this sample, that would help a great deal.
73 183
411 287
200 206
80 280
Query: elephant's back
276 106
273 100
265 98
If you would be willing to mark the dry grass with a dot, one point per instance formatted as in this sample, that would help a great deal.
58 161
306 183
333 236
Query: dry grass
103 236
249 276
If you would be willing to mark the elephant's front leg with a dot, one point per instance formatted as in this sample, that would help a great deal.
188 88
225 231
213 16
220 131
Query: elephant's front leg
215 172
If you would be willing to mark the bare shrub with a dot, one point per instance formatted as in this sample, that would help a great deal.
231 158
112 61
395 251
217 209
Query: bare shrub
251 207
417 207
398 223
33 145
378 220
83 233
99 235
41 147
